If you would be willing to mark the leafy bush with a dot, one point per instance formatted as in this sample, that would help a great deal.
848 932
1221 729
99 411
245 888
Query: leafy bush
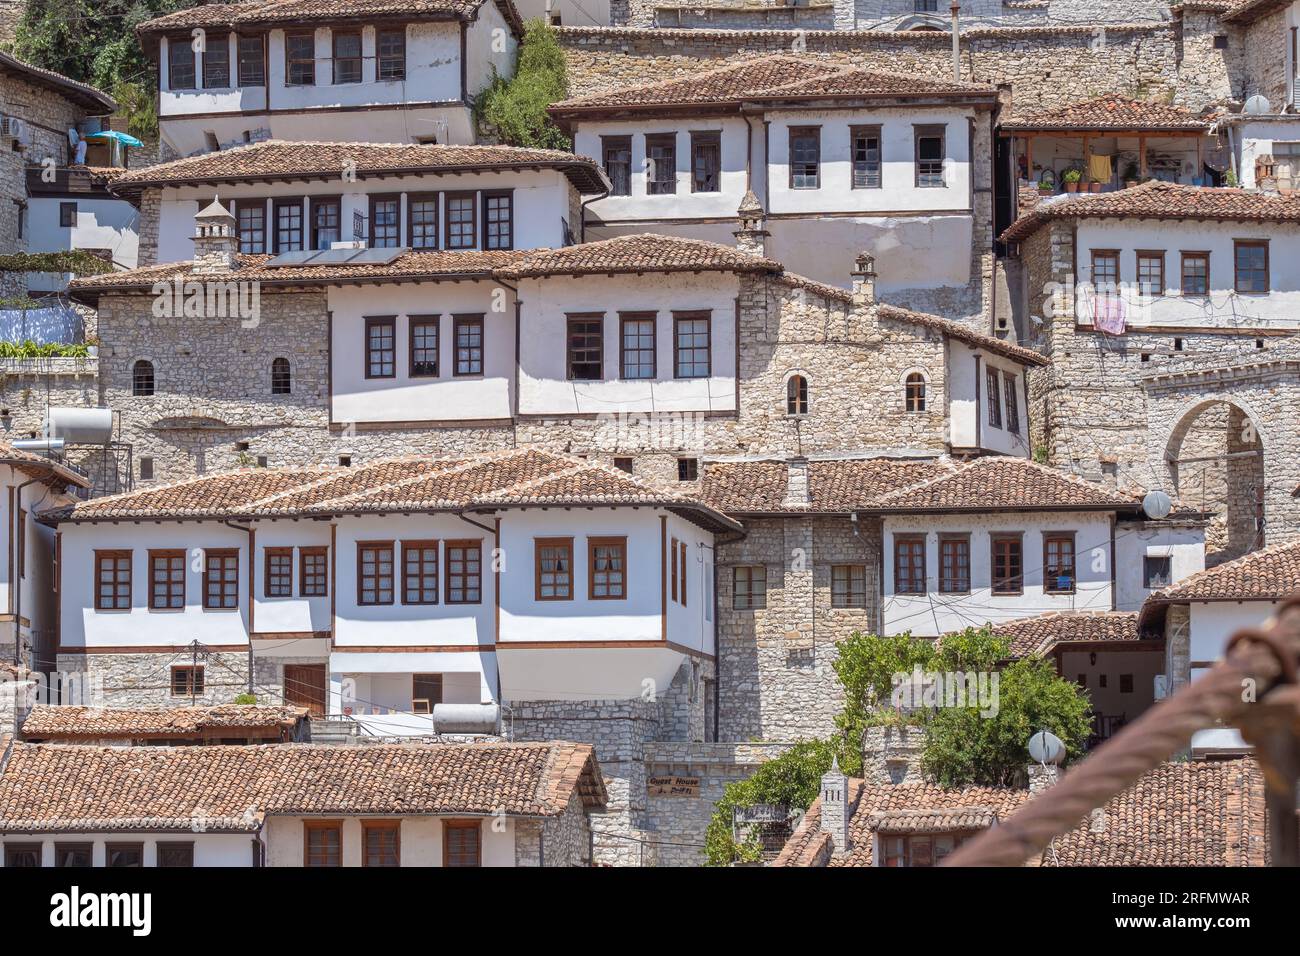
516 108
246 699
76 261
29 349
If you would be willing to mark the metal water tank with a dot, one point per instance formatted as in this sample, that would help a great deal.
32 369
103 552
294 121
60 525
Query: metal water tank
466 718
80 426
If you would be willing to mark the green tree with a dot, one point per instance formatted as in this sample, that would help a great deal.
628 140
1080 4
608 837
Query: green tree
516 108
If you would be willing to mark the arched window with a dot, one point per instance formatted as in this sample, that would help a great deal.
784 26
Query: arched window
142 378
281 378
915 389
796 395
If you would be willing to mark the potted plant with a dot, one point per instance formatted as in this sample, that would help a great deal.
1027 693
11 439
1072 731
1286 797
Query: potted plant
1131 175
1094 185
1071 178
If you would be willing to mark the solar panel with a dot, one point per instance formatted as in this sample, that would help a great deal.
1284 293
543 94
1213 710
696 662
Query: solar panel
298 257
334 257
378 257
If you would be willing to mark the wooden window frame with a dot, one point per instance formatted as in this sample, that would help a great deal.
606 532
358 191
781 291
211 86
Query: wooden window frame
314 204
378 546
846 600
606 541
475 825
1237 246
570 320
421 544
185 42
172 845
866 130
116 845
993 403
377 321
289 36
74 846
624 318
240 207
1193 254
509 196
221 553
706 138
1147 560
252 81
657 186
423 321
137 388
1056 536
949 538
475 544
115 554
380 57
922 131
900 541
672 552
310 825
681 568
1006 537
432 703
552 542
794 132
447 199
693 315
167 554
749 604
372 225
915 385
796 396
316 551
68 214
457 323
267 555
304 223
27 846
360 58
425 197
194 685
210 42
1146 254
367 825
1010 402
1114 255
611 143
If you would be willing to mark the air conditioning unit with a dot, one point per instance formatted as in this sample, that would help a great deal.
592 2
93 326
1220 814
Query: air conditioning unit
17 129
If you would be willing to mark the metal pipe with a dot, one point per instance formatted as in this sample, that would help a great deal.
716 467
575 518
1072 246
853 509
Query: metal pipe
956 42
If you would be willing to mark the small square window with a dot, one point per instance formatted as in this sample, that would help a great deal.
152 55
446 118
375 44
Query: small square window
1157 571
67 214
1220 41
1126 683
623 464
688 469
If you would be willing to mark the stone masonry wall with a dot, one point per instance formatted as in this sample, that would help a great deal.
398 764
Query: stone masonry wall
776 677
555 841
144 680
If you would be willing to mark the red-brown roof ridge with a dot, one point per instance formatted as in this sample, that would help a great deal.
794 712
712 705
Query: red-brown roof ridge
1110 111
1007 482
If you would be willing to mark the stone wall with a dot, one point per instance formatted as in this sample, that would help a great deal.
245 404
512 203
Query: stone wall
776 678
144 680
1264 59
892 755
1048 66
564 840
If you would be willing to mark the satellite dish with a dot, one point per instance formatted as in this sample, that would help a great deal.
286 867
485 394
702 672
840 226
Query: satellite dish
1258 105
1157 504
1046 748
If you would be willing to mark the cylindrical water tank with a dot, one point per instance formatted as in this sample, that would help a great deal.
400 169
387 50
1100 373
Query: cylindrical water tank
466 718
39 446
80 426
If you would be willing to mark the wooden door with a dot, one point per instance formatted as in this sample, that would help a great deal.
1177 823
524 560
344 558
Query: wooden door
304 686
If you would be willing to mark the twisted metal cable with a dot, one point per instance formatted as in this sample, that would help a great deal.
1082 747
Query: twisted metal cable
1219 695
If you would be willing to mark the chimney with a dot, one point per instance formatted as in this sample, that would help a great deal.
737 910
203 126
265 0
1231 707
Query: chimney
864 280
214 240
835 807
796 483
751 237
1042 776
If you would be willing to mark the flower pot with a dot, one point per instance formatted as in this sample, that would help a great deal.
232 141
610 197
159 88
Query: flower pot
1094 187
1071 187
1130 183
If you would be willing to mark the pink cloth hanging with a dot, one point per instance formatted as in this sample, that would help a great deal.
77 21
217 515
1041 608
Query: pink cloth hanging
1108 313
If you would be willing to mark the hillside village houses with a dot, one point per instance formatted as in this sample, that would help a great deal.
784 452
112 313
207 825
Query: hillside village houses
576 467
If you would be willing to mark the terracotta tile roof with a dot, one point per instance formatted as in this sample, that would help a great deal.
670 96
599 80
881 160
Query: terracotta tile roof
1180 814
40 466
46 722
767 78
835 486
638 253
94 101
1248 11
1159 200
269 12
74 787
1038 635
488 481
1003 483
1269 574
1110 112
278 160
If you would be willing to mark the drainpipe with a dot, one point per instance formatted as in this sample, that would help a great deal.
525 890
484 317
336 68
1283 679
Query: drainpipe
252 561
19 562
956 42
582 213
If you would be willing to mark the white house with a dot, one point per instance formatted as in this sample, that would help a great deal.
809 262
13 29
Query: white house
305 196
75 211
237 73
296 805
27 607
1001 539
381 591
842 160
1169 257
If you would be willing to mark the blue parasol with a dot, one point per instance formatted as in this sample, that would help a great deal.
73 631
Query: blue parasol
126 139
